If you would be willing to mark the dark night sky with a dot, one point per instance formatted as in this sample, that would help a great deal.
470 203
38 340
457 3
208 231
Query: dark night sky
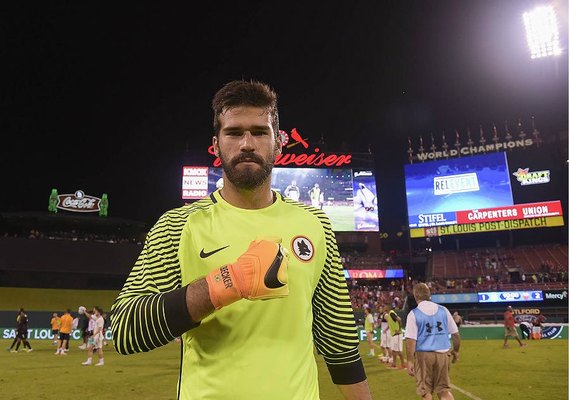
106 98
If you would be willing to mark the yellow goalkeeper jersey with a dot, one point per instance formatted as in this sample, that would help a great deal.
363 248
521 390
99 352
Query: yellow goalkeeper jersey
249 349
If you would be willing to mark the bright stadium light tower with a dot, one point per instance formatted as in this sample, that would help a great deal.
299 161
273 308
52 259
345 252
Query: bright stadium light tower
542 32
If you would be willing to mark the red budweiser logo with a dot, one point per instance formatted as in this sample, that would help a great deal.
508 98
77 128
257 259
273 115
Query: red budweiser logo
315 158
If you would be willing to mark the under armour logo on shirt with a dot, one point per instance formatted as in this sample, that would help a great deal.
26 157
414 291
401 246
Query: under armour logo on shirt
438 326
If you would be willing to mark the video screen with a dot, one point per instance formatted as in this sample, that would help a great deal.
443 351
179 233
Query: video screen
508 297
435 190
348 196
487 188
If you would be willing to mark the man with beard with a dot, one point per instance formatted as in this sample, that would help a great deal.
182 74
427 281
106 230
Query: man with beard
244 241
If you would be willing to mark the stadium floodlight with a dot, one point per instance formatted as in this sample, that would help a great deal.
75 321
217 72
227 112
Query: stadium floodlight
542 32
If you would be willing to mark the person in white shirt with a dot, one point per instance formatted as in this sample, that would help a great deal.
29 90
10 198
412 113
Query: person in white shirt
526 329
386 356
95 341
292 191
369 325
317 196
428 327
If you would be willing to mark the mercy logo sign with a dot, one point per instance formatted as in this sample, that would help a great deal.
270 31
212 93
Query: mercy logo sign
556 295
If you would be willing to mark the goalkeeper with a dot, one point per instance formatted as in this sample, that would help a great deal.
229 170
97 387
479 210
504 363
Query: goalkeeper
250 280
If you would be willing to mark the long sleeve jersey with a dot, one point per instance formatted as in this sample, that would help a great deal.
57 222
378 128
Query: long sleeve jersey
249 349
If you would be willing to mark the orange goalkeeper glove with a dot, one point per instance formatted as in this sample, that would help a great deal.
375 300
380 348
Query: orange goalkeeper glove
258 274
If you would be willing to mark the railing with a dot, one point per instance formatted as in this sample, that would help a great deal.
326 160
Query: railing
495 316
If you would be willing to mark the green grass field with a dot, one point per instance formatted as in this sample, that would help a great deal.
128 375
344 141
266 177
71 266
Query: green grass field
35 299
343 217
485 371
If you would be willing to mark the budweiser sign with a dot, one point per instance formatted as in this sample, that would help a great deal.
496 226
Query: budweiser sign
78 202
314 158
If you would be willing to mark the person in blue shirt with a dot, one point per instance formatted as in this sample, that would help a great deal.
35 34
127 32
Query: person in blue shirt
428 327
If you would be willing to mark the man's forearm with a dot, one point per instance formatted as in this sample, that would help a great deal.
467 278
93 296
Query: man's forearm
143 322
410 349
356 391
456 342
198 300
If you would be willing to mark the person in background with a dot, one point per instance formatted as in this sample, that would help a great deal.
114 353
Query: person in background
21 332
292 191
16 338
409 301
538 326
90 329
95 340
428 327
55 324
510 329
106 326
369 328
526 329
396 338
64 332
458 319
364 198
83 326
386 356
205 266
317 196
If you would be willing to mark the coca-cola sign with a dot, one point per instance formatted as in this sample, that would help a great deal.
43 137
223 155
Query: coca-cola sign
78 202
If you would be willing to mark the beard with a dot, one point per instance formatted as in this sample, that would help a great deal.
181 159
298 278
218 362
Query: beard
247 178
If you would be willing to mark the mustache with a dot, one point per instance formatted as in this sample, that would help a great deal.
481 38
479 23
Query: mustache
247 157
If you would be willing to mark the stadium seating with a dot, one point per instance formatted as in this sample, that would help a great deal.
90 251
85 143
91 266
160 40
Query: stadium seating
551 259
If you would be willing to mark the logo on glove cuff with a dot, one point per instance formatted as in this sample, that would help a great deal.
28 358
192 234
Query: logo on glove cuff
303 248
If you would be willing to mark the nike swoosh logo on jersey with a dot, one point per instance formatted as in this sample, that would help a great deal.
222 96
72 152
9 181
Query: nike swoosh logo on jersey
206 254
270 279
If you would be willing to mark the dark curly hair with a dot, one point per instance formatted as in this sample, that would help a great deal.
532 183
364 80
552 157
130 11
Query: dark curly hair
244 93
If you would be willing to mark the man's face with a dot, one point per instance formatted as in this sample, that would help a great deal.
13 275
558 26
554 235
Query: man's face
246 146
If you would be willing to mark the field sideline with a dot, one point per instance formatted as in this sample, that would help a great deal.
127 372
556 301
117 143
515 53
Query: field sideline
485 371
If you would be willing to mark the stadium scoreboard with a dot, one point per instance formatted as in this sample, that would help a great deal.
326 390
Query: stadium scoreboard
483 193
